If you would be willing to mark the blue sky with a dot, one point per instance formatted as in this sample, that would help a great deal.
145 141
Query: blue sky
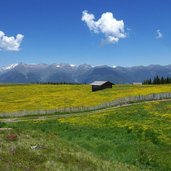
53 31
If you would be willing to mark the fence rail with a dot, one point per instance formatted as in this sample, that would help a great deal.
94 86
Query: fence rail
116 102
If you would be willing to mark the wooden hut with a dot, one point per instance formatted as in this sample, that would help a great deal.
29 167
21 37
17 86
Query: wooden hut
137 83
100 85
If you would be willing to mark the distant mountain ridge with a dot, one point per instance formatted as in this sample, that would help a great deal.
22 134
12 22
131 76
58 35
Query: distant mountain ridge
69 73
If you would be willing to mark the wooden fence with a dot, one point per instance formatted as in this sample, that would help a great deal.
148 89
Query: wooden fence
116 102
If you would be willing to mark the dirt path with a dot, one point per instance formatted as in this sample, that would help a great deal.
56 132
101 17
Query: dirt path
56 116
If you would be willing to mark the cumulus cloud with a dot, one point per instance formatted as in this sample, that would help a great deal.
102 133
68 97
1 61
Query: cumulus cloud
10 43
159 35
112 28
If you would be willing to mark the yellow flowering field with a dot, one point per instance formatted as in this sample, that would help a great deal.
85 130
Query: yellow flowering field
43 97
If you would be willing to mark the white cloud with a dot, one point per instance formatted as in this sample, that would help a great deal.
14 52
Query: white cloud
10 43
112 29
159 35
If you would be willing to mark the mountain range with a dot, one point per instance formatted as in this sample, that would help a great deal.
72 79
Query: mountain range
68 73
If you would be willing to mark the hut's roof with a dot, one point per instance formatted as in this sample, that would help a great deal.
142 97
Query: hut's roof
137 83
99 83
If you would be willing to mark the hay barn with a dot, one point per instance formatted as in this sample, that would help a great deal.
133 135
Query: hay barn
137 83
100 85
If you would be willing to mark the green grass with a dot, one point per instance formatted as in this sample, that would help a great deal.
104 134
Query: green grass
56 154
136 137
43 97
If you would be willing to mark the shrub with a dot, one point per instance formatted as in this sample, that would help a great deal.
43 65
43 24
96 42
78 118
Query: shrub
2 124
11 137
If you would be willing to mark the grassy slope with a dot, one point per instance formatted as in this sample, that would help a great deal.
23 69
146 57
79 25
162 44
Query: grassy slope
129 138
57 155
138 134
38 97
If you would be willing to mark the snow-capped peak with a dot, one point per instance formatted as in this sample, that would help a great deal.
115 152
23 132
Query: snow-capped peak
65 65
72 65
10 67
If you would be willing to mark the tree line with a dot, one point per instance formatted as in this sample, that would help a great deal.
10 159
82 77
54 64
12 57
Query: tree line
158 80
56 83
